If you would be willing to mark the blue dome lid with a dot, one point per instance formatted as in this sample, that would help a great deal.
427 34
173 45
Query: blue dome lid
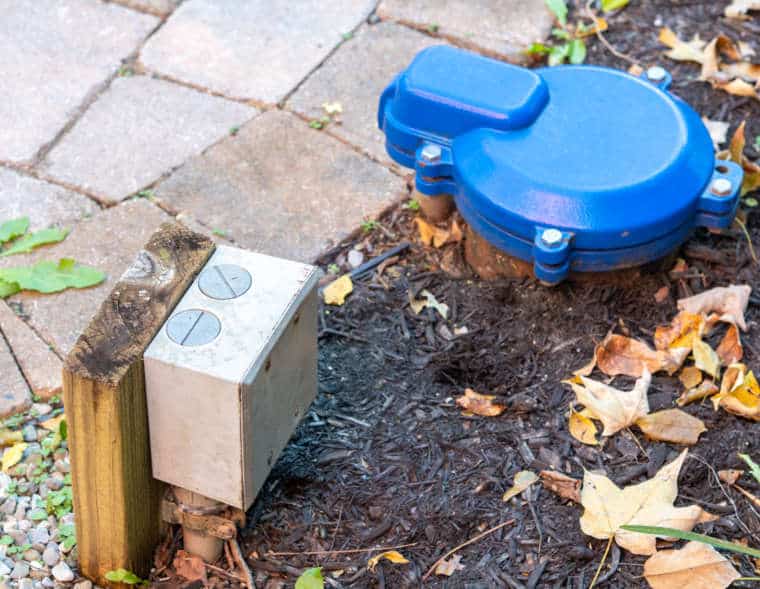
617 164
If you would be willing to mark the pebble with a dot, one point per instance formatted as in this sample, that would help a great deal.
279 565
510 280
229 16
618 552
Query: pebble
5 570
51 555
39 535
31 555
20 570
20 511
26 584
41 408
62 466
5 480
83 585
30 433
54 483
9 506
62 573
19 537
355 258
48 582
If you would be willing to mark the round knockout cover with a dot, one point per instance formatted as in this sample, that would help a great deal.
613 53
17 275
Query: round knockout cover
573 168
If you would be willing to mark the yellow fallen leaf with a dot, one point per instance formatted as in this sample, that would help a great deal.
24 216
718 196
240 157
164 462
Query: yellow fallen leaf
740 393
681 333
582 428
730 349
336 292
737 87
616 409
730 302
478 404
12 456
450 566
690 377
523 480
561 484
705 389
681 50
736 154
672 425
618 354
54 423
706 359
9 437
739 8
428 300
742 69
430 234
332 108
696 566
714 50
391 555
607 507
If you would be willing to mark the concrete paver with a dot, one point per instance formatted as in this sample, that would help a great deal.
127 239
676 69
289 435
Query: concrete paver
14 392
502 28
39 365
383 50
250 49
45 204
158 7
137 130
108 241
281 188
53 53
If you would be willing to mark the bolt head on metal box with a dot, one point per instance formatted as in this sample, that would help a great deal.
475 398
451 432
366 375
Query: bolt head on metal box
231 373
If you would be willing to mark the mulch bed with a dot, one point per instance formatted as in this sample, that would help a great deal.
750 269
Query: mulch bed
386 458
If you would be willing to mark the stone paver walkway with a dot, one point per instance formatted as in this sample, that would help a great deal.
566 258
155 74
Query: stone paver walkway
120 115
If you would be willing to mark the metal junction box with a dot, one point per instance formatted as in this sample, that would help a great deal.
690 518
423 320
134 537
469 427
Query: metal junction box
571 168
231 373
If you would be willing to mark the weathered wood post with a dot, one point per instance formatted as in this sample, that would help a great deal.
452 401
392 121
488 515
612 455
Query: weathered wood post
116 498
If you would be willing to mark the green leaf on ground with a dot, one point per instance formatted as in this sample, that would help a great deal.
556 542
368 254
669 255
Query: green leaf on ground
754 467
538 49
311 579
124 576
693 536
38 515
8 288
36 239
610 5
48 276
13 228
558 54
559 9
577 51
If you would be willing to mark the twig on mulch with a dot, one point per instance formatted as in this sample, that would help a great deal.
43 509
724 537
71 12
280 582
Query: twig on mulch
238 555
351 551
603 40
470 541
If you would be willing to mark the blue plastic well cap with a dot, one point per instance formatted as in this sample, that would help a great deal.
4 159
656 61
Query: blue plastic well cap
615 162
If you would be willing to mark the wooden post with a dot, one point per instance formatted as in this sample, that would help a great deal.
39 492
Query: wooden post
116 499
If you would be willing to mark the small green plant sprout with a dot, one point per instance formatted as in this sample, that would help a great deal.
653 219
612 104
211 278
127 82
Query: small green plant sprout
67 533
147 193
347 36
125 576
569 38
319 123
125 71
754 468
756 144
311 579
411 205
234 130
333 269
219 232
369 225
433 28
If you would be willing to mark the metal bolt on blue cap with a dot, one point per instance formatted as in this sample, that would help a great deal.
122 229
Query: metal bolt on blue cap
570 168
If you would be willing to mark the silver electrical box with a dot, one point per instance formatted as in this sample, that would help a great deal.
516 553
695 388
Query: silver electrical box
231 373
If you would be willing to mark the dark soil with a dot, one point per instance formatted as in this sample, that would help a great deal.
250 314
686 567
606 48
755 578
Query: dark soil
386 458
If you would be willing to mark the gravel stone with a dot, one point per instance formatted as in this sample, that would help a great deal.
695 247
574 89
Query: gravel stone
355 258
5 570
62 572
32 555
83 585
19 537
39 535
42 409
20 570
30 433
9 505
51 555
53 483
26 584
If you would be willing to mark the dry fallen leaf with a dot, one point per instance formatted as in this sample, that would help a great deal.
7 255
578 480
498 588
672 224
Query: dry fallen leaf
736 154
54 423
739 393
730 476
681 333
391 555
561 484
737 87
618 354
336 292
332 108
730 349
705 389
690 377
672 425
718 133
607 507
680 50
711 62
616 409
582 428
12 456
450 566
477 404
523 480
428 300
9 437
190 567
706 359
696 566
729 301
662 294
739 8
